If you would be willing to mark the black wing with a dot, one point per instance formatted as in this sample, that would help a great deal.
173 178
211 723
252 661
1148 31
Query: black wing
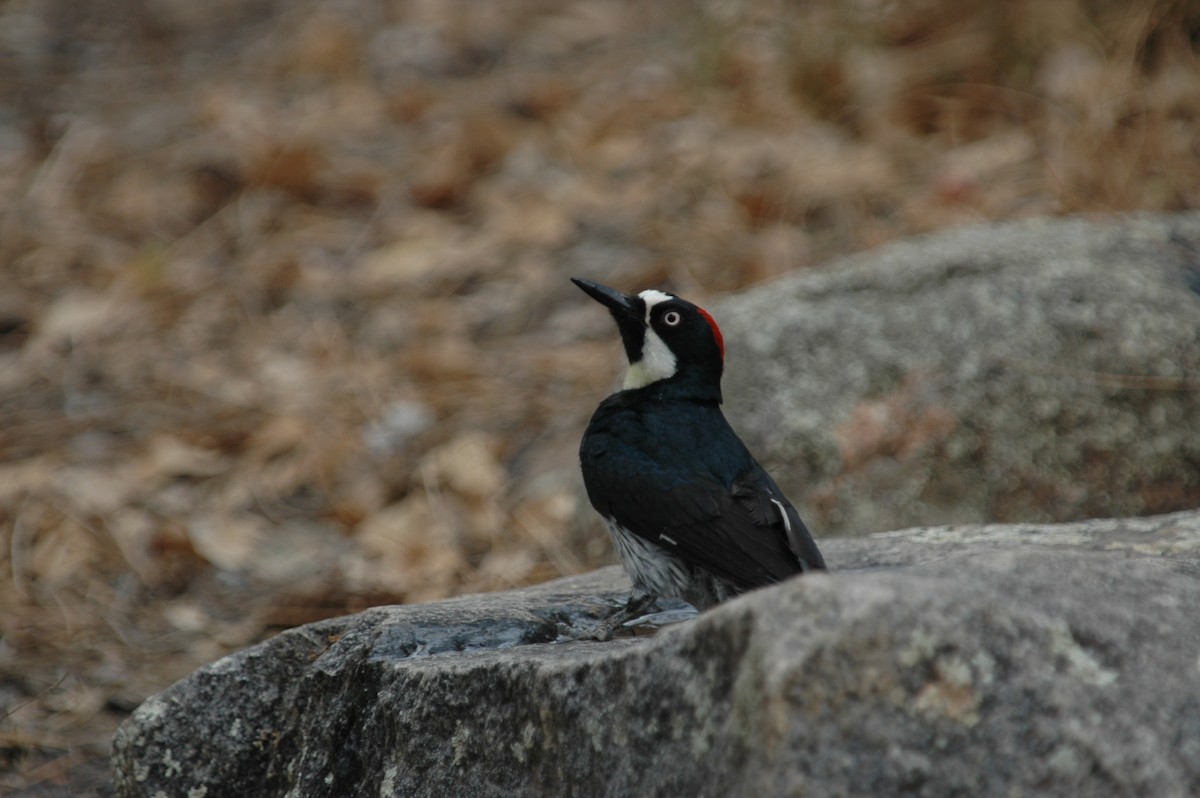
745 531
764 500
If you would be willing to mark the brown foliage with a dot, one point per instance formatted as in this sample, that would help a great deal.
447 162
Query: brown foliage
285 328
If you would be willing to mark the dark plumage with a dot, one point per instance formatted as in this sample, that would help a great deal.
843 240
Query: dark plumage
691 512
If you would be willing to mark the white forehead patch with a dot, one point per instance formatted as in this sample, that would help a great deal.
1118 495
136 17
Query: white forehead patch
652 298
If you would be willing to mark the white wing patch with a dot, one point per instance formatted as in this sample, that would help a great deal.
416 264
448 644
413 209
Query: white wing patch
787 524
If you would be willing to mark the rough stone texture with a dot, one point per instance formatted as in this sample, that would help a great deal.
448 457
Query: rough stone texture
994 660
1044 370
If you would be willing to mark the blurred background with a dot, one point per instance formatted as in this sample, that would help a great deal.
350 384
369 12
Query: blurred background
285 325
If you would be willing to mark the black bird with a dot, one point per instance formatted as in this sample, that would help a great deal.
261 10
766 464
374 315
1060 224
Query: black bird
690 511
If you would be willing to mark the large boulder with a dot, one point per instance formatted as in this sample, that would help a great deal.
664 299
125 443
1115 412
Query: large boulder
1043 370
993 660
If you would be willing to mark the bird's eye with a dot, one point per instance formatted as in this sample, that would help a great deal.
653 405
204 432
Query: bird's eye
671 318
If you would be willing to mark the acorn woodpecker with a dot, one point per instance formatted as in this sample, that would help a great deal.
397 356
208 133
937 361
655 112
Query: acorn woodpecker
691 513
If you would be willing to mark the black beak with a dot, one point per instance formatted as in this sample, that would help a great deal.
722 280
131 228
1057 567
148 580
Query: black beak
626 312
618 303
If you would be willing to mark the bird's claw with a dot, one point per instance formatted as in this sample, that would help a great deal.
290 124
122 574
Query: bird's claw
609 626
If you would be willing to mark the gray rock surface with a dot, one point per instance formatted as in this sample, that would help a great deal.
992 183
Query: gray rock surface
1043 370
994 660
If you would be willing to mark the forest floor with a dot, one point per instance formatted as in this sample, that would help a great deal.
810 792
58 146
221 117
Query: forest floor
285 324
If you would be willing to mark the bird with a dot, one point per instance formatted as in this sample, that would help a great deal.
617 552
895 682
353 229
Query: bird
691 513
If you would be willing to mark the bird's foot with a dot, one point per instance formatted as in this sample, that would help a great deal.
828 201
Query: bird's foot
608 627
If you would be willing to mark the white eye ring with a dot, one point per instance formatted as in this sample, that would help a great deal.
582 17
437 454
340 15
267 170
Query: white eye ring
672 318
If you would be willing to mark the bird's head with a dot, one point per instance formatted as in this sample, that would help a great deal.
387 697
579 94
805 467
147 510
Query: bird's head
665 337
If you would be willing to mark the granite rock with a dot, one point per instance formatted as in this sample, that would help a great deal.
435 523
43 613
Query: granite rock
1060 660
1042 370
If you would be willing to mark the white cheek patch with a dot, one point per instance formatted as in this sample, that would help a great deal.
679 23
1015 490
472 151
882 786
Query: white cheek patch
657 363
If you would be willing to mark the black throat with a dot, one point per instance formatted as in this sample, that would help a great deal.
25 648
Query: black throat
690 383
